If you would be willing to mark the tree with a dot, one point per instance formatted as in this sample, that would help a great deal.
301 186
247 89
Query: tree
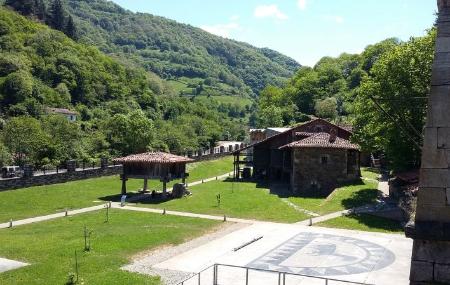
398 79
71 29
40 9
132 133
24 7
57 16
26 140
17 87
327 108
4 155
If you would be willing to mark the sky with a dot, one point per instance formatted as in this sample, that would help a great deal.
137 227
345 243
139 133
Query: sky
305 30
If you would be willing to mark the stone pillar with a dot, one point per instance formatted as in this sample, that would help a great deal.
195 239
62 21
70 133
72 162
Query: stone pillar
71 166
28 171
104 162
124 184
145 185
430 262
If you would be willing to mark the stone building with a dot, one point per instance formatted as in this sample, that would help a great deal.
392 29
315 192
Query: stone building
274 160
321 162
70 115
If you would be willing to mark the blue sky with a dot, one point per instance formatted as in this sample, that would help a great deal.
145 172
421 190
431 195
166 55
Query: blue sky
306 30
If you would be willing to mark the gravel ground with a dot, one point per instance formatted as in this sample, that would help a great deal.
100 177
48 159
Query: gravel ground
143 262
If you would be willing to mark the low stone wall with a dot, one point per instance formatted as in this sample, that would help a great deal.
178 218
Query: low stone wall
55 178
211 156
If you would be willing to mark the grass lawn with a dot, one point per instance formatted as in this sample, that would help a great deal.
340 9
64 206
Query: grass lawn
346 197
238 200
49 246
49 199
364 222
370 173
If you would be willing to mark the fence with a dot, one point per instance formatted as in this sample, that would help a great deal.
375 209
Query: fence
221 274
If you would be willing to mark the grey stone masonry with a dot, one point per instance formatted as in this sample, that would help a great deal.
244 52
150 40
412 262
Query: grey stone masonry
430 262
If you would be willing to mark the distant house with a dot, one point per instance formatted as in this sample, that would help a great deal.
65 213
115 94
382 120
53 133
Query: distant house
227 146
313 157
70 115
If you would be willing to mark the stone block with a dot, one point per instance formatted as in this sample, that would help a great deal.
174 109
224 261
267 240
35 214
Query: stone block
439 104
442 45
433 213
435 158
448 196
432 251
434 178
442 273
443 138
440 75
432 196
421 271
430 138
444 28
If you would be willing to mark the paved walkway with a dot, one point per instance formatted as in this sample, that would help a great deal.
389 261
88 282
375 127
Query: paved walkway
373 258
183 214
7 264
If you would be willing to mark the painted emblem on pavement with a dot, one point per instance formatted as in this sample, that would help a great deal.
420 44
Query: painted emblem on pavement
325 255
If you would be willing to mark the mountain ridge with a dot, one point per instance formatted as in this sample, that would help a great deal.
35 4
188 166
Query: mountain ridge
172 49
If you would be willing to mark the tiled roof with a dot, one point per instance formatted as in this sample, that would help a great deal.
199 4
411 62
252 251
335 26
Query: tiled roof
61 111
289 130
153 157
304 134
322 140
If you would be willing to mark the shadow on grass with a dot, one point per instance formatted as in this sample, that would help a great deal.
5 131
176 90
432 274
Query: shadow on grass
375 222
360 198
145 199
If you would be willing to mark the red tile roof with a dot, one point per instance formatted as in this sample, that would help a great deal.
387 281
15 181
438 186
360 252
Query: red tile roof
304 134
153 157
322 140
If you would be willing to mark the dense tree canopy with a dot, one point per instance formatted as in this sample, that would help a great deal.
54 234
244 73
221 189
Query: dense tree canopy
122 109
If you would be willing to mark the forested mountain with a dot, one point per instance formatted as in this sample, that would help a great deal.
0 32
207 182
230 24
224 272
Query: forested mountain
122 109
171 49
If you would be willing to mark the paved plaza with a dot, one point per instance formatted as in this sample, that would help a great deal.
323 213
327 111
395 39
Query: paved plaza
371 258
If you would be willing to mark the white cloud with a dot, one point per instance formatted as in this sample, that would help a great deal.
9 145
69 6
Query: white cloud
234 18
336 19
301 4
223 30
269 11
339 19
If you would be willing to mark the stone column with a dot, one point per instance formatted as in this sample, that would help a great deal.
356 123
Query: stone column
124 184
430 262
104 162
145 185
71 165
28 171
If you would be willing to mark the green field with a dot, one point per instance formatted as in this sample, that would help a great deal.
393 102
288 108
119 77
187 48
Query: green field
49 199
364 222
346 197
241 101
239 200
50 246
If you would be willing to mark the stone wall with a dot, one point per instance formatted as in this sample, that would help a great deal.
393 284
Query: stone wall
311 177
17 183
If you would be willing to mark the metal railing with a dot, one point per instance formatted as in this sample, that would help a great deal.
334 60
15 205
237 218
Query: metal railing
279 278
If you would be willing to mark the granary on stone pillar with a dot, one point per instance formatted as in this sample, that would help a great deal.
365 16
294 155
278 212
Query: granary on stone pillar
153 165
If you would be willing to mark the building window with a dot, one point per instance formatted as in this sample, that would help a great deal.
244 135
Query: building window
324 160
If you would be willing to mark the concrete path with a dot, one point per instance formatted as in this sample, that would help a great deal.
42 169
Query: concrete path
183 214
51 217
372 258
7 264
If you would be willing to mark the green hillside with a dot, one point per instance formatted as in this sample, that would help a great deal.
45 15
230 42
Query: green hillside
122 108
171 49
